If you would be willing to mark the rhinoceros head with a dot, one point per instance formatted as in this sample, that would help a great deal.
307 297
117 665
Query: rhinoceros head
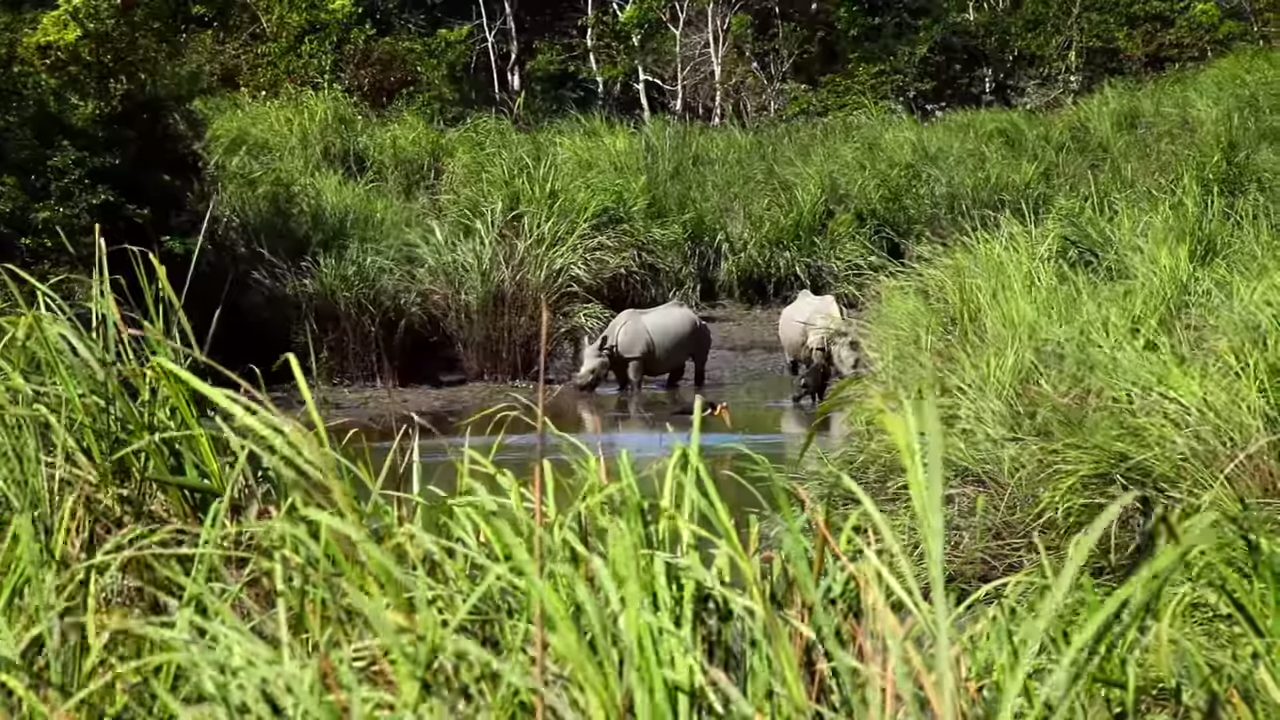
595 364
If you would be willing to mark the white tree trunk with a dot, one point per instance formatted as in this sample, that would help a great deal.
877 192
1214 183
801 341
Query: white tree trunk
591 52
718 20
640 78
715 61
619 9
772 71
489 32
514 82
677 29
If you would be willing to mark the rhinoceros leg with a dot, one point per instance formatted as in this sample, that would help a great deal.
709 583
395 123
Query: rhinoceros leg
824 380
619 370
675 376
801 390
635 375
816 378
793 367
701 350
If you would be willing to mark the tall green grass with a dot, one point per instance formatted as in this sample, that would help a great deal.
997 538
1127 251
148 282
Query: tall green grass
170 548
596 214
1123 348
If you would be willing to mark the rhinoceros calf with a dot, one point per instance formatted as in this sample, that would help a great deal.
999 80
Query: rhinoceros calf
804 329
814 380
647 342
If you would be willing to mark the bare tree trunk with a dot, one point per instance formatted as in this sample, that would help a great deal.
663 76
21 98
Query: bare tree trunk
717 27
514 82
677 29
591 52
489 32
715 61
640 78
776 66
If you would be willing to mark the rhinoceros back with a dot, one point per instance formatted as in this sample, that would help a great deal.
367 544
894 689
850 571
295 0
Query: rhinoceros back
663 336
804 324
824 316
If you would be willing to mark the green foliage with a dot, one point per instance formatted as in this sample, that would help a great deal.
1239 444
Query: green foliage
966 53
555 82
98 125
96 128
640 215
239 562
1122 338
430 72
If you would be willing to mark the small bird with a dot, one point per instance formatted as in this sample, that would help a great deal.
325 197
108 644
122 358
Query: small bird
718 409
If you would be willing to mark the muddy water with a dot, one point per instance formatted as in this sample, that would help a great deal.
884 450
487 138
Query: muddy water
745 370
762 425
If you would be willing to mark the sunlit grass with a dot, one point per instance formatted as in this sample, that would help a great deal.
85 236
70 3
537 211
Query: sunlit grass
171 548
1078 359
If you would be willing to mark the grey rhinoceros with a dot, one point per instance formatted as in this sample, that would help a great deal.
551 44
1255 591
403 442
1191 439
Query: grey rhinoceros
647 342
804 329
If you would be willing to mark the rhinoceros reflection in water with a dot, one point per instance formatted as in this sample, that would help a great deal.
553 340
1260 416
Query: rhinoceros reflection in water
627 415
631 413
653 426
829 429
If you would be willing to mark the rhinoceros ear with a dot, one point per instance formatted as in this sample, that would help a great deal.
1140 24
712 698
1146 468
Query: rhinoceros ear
601 342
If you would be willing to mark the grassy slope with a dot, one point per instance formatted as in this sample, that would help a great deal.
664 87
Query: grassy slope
403 221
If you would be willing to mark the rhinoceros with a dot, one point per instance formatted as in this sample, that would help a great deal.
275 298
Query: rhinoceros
814 380
804 329
647 342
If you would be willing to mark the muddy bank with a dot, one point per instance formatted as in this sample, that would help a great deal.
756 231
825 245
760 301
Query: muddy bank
744 351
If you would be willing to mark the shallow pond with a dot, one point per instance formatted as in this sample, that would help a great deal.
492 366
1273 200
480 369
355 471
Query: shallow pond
761 421
745 370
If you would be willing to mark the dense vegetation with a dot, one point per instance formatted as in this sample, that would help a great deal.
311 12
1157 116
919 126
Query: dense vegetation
1110 327
1058 496
308 144
405 225
156 561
